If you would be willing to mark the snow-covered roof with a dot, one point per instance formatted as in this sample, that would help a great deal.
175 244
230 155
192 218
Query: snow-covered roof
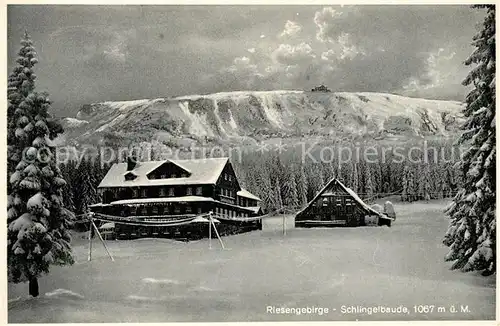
203 171
254 209
107 226
183 199
247 194
99 205
358 200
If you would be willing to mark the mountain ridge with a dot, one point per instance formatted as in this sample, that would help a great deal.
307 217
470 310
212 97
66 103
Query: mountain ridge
233 117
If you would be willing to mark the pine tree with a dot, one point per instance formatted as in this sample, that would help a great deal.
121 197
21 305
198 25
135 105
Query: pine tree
302 186
20 84
355 178
340 170
266 188
405 193
67 171
319 179
443 178
471 234
420 182
369 190
412 183
290 195
86 186
426 181
409 189
37 221
279 198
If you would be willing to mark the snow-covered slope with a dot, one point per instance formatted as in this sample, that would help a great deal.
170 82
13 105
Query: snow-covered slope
234 116
72 123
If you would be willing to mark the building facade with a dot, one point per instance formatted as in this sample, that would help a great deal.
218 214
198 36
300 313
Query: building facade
337 205
175 189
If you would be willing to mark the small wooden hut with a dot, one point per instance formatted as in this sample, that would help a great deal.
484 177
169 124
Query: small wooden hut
337 205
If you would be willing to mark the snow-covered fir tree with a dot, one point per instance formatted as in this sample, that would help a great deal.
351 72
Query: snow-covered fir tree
302 186
267 189
408 184
404 184
424 186
20 83
37 221
67 171
86 189
277 193
426 178
471 234
369 189
355 178
290 195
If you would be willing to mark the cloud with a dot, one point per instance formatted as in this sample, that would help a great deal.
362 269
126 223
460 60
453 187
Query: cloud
325 21
342 49
117 49
440 77
90 54
357 50
292 54
291 29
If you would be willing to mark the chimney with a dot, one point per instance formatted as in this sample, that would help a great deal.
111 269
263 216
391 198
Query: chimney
131 162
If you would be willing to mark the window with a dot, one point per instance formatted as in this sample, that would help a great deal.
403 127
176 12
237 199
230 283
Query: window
177 209
163 176
229 177
135 193
174 175
171 192
188 209
133 210
144 193
189 191
325 201
183 175
199 210
130 176
225 176
199 190
155 210
163 192
144 211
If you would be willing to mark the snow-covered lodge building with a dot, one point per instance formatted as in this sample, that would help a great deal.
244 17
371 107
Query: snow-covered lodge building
174 189
337 205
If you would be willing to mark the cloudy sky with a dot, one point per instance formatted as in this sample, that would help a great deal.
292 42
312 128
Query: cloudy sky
98 53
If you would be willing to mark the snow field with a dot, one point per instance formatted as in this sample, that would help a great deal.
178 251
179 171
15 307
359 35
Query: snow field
158 280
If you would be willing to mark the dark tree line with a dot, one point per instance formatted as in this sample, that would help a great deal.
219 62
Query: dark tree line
287 180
